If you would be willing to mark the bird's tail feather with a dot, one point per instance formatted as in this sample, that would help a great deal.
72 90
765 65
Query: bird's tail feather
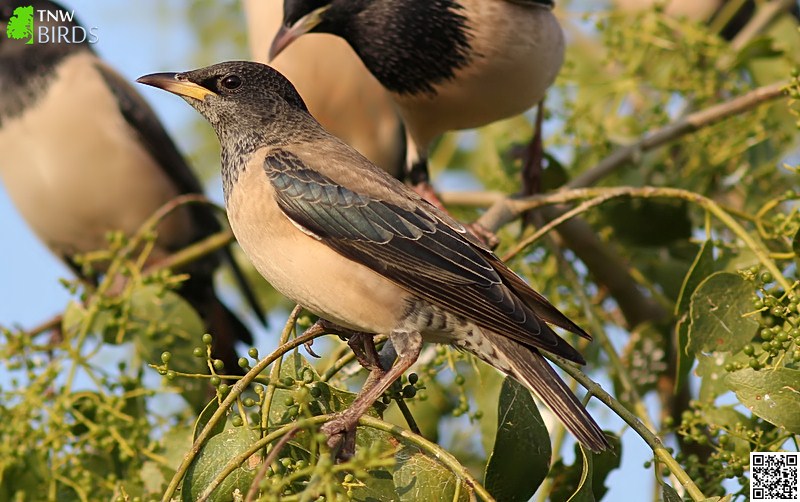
532 370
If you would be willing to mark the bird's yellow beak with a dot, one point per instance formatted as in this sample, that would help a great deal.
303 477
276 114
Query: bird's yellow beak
287 35
176 83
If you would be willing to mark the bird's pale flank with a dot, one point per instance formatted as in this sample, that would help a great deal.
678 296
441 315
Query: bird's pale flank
339 236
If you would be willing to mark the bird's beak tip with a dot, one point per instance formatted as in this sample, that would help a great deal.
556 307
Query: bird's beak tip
283 38
288 34
154 79
171 82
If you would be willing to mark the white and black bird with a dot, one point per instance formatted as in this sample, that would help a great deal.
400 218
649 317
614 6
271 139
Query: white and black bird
448 64
82 154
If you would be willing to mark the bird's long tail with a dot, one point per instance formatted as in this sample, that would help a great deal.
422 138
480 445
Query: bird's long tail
531 369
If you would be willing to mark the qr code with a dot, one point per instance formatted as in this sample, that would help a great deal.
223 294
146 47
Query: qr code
774 477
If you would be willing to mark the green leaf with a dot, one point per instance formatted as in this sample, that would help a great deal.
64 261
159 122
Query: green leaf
772 394
380 484
648 222
584 491
760 47
702 267
76 315
521 457
727 418
162 320
213 457
712 373
419 477
173 446
585 479
716 312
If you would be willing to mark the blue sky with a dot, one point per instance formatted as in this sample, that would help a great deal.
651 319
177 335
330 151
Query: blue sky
134 44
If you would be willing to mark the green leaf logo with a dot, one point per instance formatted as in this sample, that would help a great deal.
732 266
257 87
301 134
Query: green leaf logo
20 25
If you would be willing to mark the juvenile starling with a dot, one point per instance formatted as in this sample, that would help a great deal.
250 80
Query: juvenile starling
337 235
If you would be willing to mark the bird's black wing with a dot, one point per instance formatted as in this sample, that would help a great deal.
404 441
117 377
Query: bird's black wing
160 146
411 247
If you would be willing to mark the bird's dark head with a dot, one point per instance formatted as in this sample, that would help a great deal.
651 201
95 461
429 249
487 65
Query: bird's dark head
313 16
239 98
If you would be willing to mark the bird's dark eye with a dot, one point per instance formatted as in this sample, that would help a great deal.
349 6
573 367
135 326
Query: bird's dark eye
231 82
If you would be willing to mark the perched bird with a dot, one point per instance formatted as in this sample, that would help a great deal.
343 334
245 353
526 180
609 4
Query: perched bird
448 64
352 106
337 235
81 154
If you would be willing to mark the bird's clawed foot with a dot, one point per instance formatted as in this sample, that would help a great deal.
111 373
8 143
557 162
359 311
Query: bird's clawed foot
363 346
341 432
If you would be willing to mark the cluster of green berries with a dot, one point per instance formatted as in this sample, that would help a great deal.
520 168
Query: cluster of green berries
404 388
779 325
725 460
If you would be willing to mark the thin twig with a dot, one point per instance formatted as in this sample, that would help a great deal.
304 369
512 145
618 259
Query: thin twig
275 375
506 210
252 493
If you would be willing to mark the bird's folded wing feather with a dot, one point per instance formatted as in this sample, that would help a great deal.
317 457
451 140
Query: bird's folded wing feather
409 244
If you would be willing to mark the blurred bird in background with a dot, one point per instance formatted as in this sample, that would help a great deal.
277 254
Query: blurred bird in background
82 154
346 99
448 64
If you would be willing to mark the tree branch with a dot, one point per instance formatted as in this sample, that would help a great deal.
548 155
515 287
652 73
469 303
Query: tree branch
681 127
603 262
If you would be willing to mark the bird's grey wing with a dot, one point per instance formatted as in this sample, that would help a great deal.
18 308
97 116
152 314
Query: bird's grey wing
410 246
162 149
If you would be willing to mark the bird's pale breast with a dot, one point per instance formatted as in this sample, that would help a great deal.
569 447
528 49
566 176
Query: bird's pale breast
304 269
518 51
